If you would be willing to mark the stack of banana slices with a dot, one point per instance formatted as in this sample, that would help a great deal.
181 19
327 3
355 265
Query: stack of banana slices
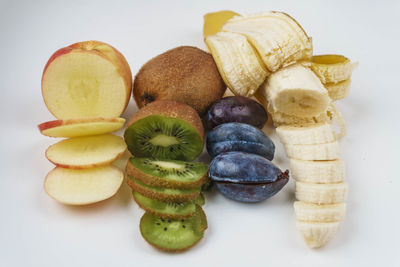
269 56
319 173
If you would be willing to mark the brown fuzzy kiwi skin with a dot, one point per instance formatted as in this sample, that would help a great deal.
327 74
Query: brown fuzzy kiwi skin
161 196
185 74
163 215
171 109
155 181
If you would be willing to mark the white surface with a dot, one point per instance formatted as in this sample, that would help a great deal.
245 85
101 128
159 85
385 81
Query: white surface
37 231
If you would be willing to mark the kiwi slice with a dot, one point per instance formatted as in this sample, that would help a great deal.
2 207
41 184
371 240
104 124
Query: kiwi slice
168 210
200 200
165 130
169 174
173 235
161 193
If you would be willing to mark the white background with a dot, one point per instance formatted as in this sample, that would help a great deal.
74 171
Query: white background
37 231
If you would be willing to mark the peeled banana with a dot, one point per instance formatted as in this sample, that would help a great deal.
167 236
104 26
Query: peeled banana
295 90
320 188
338 90
327 151
325 171
321 193
309 212
237 62
312 134
334 71
277 37
332 68
317 234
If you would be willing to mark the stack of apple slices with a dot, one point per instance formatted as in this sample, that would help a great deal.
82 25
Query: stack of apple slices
86 86
319 174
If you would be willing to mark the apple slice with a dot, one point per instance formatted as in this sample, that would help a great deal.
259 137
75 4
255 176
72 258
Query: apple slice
86 79
86 152
80 127
82 187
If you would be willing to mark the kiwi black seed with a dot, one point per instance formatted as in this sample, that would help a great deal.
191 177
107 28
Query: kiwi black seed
165 130
167 173
173 235
161 193
168 210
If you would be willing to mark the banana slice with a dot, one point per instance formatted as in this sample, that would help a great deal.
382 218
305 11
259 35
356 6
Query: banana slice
338 90
332 68
317 234
327 151
324 172
321 193
213 21
295 90
306 135
237 62
308 212
277 37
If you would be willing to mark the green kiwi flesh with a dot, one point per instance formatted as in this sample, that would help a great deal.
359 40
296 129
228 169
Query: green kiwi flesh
200 200
173 235
168 210
168 173
163 137
161 193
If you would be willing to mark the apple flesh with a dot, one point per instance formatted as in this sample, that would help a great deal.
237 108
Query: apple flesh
86 152
82 187
86 79
80 127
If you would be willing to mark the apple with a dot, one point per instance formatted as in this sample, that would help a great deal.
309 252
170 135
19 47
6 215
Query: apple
86 79
82 187
80 127
86 152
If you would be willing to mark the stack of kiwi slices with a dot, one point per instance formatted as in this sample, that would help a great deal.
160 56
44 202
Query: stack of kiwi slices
164 138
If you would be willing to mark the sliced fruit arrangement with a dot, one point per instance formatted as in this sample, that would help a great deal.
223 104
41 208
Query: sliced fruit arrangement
163 137
254 53
319 174
184 74
86 86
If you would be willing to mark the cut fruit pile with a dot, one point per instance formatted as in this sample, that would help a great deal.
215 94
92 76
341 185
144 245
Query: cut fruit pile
319 174
86 85
270 56
164 136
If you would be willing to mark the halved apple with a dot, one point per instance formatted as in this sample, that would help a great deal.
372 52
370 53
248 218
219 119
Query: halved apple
86 152
82 187
80 127
86 79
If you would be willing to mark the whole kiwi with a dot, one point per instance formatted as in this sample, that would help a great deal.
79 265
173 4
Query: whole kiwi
184 74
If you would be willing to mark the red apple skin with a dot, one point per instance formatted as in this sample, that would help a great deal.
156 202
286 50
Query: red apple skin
118 60
55 123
